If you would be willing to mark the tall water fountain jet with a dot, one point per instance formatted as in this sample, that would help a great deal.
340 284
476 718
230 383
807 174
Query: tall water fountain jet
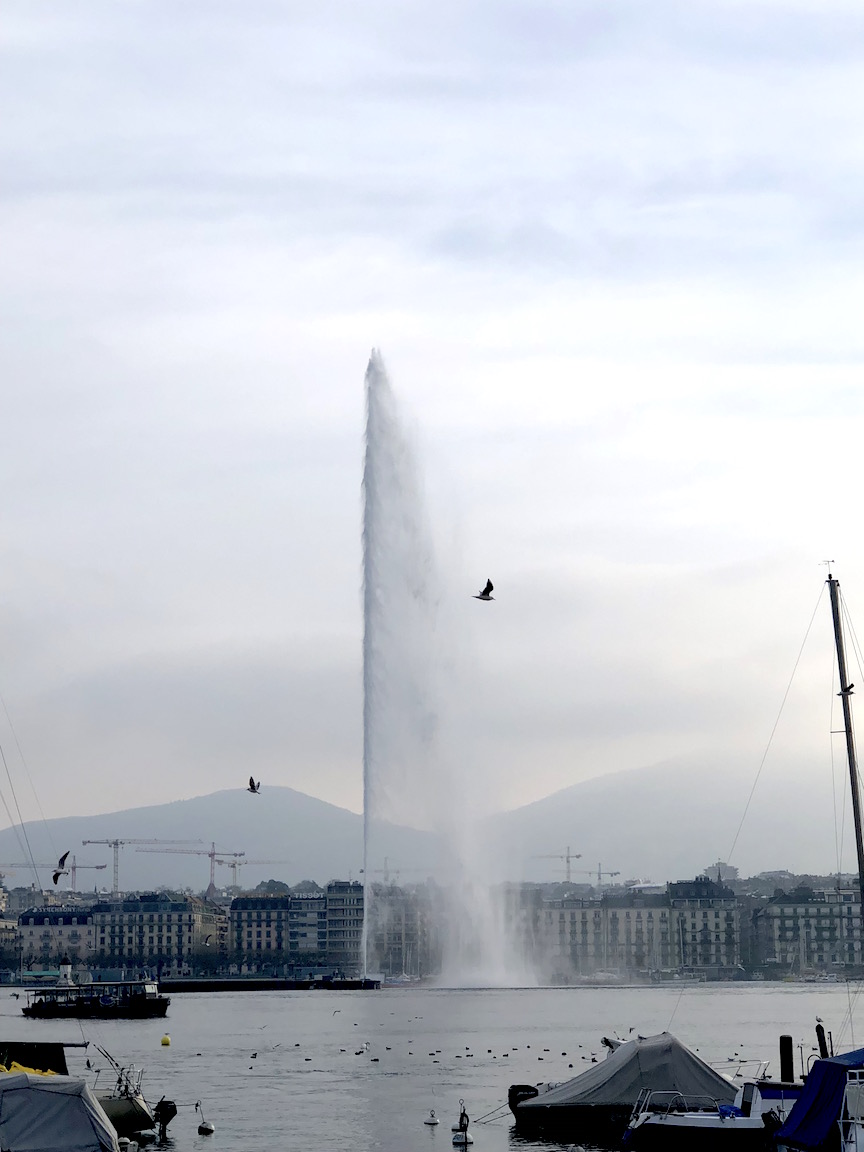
412 680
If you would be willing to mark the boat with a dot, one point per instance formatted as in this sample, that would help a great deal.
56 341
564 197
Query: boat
598 1104
120 1000
829 1113
53 1114
122 1101
666 1121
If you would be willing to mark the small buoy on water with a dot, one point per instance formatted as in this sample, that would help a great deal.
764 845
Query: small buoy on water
205 1128
431 1118
462 1138
166 1041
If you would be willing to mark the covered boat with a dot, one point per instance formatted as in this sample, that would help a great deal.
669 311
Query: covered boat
600 1101
52 1114
813 1125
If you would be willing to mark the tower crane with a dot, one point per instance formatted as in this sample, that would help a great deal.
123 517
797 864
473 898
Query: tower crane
211 852
116 844
238 863
599 874
567 856
73 868
387 872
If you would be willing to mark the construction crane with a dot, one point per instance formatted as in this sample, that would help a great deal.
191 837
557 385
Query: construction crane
567 856
116 845
211 852
237 863
73 868
599 874
386 872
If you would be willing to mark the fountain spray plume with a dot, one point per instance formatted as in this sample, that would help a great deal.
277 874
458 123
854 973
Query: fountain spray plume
413 681
399 601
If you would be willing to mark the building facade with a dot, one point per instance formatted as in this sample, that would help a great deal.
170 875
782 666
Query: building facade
694 926
162 929
805 930
45 934
304 928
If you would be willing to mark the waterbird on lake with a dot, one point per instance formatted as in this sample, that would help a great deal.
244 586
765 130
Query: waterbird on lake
207 940
253 787
486 594
60 870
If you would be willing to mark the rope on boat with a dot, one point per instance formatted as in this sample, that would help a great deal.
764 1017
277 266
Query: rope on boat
495 1114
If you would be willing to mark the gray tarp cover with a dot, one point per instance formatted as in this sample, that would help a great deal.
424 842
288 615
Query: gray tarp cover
52 1114
660 1063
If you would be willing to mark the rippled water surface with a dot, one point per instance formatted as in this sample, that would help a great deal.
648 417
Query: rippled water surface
308 1088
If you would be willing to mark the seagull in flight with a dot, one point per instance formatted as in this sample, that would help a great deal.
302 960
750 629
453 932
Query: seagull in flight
486 594
253 787
61 869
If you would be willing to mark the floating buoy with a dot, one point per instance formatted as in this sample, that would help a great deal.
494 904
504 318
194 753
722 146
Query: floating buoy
431 1118
462 1138
205 1128
166 1041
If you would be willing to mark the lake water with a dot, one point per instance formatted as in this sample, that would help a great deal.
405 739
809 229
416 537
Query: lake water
309 1089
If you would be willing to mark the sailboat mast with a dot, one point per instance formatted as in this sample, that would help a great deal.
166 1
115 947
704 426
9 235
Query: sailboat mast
845 694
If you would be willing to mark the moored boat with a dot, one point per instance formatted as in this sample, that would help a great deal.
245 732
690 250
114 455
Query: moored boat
598 1104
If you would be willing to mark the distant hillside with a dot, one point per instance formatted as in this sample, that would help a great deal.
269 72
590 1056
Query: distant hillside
663 822
317 841
671 820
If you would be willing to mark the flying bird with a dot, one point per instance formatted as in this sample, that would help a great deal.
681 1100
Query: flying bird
60 870
253 787
486 594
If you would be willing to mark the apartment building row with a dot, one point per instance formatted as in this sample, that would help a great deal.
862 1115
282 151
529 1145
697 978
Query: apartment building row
694 925
177 932
325 927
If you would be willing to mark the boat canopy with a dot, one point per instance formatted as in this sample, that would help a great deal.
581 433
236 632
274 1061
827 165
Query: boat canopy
52 1114
660 1063
812 1123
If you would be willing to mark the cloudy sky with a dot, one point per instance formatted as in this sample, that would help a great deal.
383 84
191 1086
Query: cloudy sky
612 253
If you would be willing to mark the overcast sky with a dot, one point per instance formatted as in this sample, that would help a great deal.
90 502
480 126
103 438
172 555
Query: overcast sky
612 254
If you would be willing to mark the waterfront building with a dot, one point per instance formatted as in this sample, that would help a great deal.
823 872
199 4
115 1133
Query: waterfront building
707 924
47 933
345 924
694 926
163 929
805 930
313 928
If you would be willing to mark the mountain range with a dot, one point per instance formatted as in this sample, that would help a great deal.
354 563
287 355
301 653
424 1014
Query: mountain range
668 821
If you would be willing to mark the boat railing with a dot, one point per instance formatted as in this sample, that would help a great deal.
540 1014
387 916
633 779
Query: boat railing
669 1103
852 1112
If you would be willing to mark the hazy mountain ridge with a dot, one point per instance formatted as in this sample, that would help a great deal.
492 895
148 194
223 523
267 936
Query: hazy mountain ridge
664 822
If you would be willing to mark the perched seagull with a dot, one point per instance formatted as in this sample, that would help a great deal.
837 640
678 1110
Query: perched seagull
253 787
486 593
60 870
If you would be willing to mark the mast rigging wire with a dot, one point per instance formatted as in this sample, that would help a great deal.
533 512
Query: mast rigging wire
776 723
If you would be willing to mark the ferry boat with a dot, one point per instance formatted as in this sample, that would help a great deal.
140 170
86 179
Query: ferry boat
120 1000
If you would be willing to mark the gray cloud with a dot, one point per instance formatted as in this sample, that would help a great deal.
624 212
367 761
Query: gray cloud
612 255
